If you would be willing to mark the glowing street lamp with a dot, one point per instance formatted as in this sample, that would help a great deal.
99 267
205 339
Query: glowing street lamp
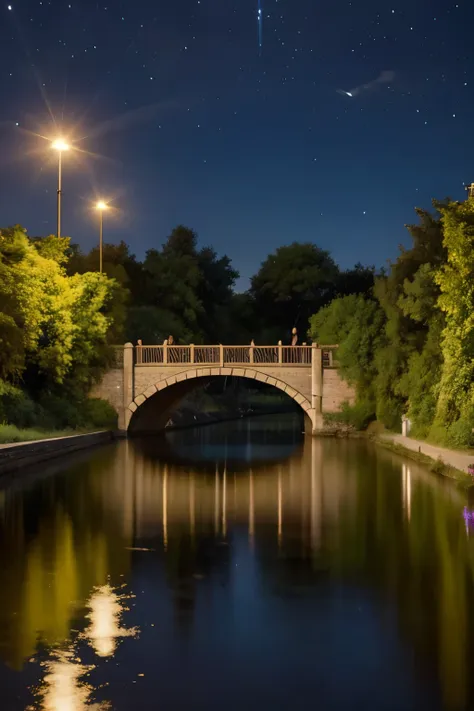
60 146
101 206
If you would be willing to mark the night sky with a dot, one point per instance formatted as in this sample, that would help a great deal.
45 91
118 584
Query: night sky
235 122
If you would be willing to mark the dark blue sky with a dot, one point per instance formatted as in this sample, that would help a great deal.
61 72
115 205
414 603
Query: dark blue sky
187 121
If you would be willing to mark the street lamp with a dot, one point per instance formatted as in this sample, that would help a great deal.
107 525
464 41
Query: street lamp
60 146
101 206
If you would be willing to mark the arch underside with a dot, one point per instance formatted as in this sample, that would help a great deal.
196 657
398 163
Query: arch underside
149 412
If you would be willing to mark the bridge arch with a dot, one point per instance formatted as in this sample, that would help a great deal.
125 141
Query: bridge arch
150 410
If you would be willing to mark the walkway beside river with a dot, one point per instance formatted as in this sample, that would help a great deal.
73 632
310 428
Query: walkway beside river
459 460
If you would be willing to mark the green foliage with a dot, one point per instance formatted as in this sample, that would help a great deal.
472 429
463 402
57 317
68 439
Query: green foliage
98 414
359 280
58 249
11 434
356 323
358 416
56 332
456 301
16 407
153 324
291 284
411 350
406 336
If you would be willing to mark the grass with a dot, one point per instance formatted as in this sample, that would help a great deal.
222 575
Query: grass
10 434
437 466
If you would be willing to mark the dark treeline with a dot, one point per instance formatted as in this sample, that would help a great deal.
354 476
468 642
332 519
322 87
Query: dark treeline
406 335
189 291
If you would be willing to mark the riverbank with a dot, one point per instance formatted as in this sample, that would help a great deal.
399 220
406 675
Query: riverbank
15 456
447 462
10 434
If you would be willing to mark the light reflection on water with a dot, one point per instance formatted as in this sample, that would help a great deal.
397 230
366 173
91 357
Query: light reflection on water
105 612
341 574
64 686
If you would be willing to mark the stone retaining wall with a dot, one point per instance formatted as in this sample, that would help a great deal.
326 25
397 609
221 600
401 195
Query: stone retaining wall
14 457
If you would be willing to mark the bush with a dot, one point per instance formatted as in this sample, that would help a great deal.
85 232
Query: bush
93 413
460 434
99 413
16 408
60 413
457 435
359 415
389 411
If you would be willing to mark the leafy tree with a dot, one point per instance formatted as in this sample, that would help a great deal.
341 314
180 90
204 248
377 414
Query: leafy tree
153 325
185 292
52 247
118 264
358 280
455 408
55 330
291 284
411 351
357 325
404 294
172 278
215 292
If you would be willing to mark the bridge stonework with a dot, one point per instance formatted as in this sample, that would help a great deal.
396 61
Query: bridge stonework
154 378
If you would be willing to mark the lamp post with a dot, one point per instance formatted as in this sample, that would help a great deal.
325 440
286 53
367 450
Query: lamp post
101 206
60 146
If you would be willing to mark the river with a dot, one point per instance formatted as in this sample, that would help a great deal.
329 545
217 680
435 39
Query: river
237 566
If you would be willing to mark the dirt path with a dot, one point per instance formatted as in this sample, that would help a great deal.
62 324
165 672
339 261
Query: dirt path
459 460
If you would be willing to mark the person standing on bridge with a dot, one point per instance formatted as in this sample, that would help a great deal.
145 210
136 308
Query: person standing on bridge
294 339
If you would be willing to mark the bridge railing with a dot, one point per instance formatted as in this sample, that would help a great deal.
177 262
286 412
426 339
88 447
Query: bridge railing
230 355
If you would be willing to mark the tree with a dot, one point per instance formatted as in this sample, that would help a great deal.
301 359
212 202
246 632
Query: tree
15 335
118 263
455 278
357 325
215 292
153 325
291 284
358 280
52 247
172 278
55 330
185 292
403 293
390 348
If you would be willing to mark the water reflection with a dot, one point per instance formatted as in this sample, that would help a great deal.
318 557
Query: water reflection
66 683
105 612
341 573
406 488
64 687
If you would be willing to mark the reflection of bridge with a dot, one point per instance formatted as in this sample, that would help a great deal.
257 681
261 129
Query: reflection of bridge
151 380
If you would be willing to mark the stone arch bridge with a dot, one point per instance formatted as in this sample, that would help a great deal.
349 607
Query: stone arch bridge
147 382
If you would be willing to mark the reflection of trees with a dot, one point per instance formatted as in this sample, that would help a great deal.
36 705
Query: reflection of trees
410 546
340 511
266 439
188 560
58 539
